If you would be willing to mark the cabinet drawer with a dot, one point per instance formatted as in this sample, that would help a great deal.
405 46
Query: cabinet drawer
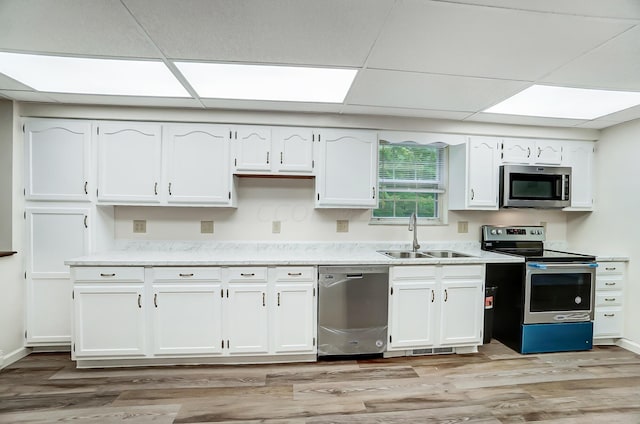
609 299
186 274
605 268
609 282
412 272
306 273
103 274
463 271
247 274
608 322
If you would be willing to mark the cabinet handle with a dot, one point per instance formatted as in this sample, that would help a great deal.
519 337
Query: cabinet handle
611 269
473 194
155 300
433 296
267 158
528 152
280 158
155 188
294 274
186 275
539 151
609 315
85 187
169 189
610 299
264 300
446 295
373 190
247 274
609 284
139 301
278 299
85 221
107 275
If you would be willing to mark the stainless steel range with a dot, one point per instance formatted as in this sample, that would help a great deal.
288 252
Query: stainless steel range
545 304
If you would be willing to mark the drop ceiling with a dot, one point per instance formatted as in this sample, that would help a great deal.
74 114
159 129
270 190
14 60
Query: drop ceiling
418 58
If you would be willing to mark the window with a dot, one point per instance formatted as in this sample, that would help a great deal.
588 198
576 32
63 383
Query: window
410 178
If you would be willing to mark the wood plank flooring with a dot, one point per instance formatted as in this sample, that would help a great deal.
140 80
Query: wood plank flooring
496 385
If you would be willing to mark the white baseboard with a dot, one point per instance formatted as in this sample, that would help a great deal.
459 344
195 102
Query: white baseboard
629 345
16 355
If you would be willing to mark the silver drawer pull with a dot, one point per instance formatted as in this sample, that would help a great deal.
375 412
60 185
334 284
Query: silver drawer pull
247 274
107 275
609 284
294 274
186 275
610 299
609 315
611 269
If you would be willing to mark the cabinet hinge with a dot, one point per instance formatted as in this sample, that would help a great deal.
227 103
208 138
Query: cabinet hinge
222 295
25 275
313 164
314 341
23 128
391 290
96 192
390 339
74 347
25 214
24 191
313 137
227 344
98 130
73 296
230 137
222 344
314 292
229 195
25 334
318 196
235 162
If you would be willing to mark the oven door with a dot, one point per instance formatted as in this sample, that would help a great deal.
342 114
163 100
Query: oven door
559 292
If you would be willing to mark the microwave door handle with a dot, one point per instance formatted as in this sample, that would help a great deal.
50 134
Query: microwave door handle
560 187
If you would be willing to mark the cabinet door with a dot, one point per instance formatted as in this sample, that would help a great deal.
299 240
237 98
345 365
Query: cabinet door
187 318
198 167
252 148
53 235
579 156
109 320
347 173
57 158
246 318
548 152
294 317
517 151
129 162
483 173
608 322
412 306
461 314
293 148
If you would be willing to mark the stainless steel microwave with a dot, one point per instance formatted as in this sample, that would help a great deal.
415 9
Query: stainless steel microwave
524 186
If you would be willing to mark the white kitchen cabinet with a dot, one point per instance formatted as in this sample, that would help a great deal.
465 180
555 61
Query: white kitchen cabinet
347 169
609 302
524 151
53 235
252 148
197 165
187 311
129 162
109 305
294 310
293 150
473 174
57 160
435 306
579 155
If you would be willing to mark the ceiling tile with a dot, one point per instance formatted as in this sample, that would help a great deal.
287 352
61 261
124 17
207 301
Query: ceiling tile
623 9
328 32
524 120
614 65
417 113
124 100
26 96
451 38
427 91
86 27
7 83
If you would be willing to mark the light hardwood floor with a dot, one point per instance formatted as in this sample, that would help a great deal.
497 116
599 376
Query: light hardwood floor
496 385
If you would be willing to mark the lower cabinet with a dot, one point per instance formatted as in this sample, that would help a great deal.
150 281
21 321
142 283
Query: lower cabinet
435 306
162 312
609 310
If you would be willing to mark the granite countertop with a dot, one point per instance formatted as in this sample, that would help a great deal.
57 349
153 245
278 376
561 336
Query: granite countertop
207 253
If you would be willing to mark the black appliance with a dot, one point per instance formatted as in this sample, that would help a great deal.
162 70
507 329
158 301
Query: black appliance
546 302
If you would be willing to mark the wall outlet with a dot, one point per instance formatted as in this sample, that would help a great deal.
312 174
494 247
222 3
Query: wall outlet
342 226
275 227
139 226
463 226
206 227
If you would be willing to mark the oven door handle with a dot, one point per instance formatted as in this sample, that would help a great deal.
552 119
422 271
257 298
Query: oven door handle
538 265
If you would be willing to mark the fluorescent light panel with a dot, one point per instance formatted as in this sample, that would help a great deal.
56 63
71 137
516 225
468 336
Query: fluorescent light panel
60 74
565 102
257 82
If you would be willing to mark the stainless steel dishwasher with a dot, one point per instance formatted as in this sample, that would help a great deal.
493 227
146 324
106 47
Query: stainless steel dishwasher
352 310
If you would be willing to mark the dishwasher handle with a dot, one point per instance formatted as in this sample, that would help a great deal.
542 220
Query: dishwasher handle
354 276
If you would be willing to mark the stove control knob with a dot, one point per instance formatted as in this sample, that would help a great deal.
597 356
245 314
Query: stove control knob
499 231
494 232
539 232
533 231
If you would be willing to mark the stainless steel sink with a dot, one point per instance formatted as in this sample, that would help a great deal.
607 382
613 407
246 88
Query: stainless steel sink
445 254
408 254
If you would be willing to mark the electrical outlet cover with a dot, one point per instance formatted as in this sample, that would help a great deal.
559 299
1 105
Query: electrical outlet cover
275 227
206 227
139 226
342 226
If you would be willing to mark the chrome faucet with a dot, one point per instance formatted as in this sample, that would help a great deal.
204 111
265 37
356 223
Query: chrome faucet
413 226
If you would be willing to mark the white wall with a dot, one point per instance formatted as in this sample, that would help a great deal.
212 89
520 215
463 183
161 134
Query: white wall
612 229
6 188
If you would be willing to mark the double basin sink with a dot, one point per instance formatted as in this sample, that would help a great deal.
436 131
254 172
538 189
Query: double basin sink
425 254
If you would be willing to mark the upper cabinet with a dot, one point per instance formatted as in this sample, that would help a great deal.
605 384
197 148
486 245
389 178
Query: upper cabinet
294 150
129 162
531 152
197 164
347 169
252 148
57 160
473 174
579 156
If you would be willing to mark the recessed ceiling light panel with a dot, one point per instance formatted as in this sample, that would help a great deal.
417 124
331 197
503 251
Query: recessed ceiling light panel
565 102
278 83
61 74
